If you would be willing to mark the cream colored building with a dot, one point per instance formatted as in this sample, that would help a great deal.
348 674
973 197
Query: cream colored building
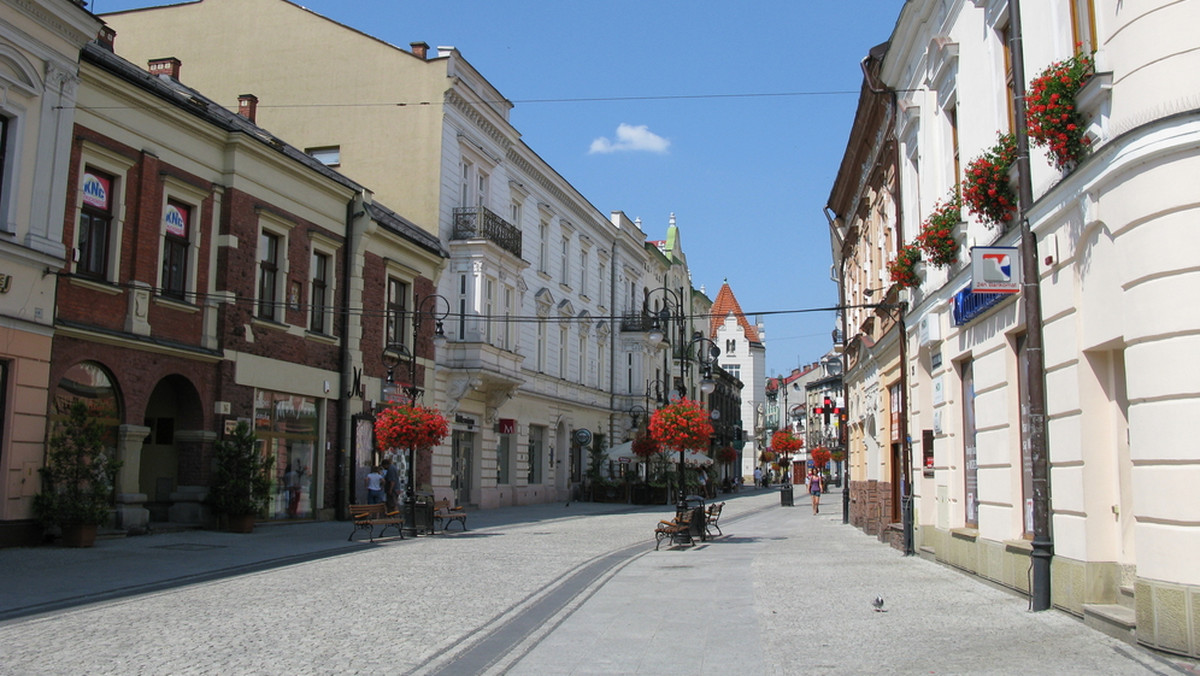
39 78
1116 263
537 273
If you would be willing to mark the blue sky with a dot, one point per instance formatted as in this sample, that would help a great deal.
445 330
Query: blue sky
732 115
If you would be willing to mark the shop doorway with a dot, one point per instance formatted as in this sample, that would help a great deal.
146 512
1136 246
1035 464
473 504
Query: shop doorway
462 454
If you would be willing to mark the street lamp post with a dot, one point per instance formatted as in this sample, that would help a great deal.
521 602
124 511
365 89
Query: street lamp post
429 307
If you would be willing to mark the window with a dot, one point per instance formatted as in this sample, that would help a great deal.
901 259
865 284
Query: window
1083 24
397 302
319 299
1009 82
502 459
601 362
481 189
734 370
4 183
268 275
95 224
506 331
583 358
970 461
543 244
952 118
541 347
730 347
562 352
514 213
537 451
462 307
564 261
603 285
489 310
177 226
583 273
330 156
466 196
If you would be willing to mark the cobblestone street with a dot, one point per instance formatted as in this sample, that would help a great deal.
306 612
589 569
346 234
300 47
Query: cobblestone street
552 589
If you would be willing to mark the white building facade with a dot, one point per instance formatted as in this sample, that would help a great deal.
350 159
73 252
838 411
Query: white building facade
1117 248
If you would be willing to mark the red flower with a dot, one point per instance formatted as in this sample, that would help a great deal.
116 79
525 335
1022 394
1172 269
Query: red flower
903 270
1061 133
644 446
986 192
684 425
783 441
409 426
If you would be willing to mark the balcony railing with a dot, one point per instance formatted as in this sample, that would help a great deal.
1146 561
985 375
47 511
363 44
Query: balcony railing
636 321
483 223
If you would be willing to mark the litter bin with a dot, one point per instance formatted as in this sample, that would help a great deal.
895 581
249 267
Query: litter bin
787 496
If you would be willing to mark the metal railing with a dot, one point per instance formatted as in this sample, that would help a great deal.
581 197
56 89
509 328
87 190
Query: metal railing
483 223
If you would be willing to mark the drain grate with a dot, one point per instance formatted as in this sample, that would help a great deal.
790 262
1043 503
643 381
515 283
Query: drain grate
189 547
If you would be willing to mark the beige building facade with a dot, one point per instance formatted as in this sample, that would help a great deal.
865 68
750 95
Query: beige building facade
40 42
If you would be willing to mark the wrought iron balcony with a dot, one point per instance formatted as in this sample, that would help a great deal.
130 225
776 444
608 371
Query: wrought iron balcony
483 223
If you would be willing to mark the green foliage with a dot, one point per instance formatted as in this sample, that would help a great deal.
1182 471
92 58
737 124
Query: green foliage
77 481
241 484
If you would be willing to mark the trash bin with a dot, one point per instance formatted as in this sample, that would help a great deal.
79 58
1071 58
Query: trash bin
787 496
697 524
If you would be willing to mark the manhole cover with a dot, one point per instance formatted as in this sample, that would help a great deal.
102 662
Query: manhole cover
189 547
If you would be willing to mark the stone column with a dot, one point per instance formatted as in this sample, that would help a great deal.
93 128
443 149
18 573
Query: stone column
131 514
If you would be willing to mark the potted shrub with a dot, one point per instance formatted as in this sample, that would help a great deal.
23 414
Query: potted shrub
241 485
77 481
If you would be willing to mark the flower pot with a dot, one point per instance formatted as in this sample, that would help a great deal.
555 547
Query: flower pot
78 534
243 523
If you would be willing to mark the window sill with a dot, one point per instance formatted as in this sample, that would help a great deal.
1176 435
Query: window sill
259 322
96 285
971 534
175 304
321 337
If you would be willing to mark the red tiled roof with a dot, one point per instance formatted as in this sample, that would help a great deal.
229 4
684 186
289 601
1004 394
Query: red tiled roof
722 306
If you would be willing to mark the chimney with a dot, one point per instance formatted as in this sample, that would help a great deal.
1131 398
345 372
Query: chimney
420 49
248 106
168 66
106 38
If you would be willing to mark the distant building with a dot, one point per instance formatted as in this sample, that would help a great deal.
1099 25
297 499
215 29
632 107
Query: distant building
743 356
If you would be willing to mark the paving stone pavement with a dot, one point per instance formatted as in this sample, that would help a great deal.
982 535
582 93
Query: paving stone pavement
548 589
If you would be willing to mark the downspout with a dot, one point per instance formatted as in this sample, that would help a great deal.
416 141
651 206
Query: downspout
347 389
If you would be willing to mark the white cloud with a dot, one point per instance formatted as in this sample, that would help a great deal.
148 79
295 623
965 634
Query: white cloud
631 138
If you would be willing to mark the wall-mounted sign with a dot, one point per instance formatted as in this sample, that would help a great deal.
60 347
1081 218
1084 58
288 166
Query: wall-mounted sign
508 426
464 420
995 269
583 436
95 190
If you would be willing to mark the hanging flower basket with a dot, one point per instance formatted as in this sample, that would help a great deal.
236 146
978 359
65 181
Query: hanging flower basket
410 426
766 456
837 456
783 441
986 191
727 454
682 425
903 269
1051 115
938 244
644 446
821 456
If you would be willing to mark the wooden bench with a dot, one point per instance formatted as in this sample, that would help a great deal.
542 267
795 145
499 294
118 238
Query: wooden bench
679 530
367 517
712 516
443 513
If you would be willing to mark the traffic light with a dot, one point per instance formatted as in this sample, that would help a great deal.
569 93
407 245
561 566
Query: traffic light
827 409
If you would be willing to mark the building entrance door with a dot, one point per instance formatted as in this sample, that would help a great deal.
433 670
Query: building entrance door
462 466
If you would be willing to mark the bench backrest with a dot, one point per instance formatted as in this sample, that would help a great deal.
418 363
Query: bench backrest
715 510
363 512
443 505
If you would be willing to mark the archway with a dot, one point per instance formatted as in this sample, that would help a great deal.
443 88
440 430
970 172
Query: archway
173 408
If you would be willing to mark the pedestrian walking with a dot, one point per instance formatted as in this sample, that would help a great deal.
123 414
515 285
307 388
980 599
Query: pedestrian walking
374 483
758 477
814 489
391 483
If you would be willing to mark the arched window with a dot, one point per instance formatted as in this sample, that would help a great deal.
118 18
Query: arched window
92 383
